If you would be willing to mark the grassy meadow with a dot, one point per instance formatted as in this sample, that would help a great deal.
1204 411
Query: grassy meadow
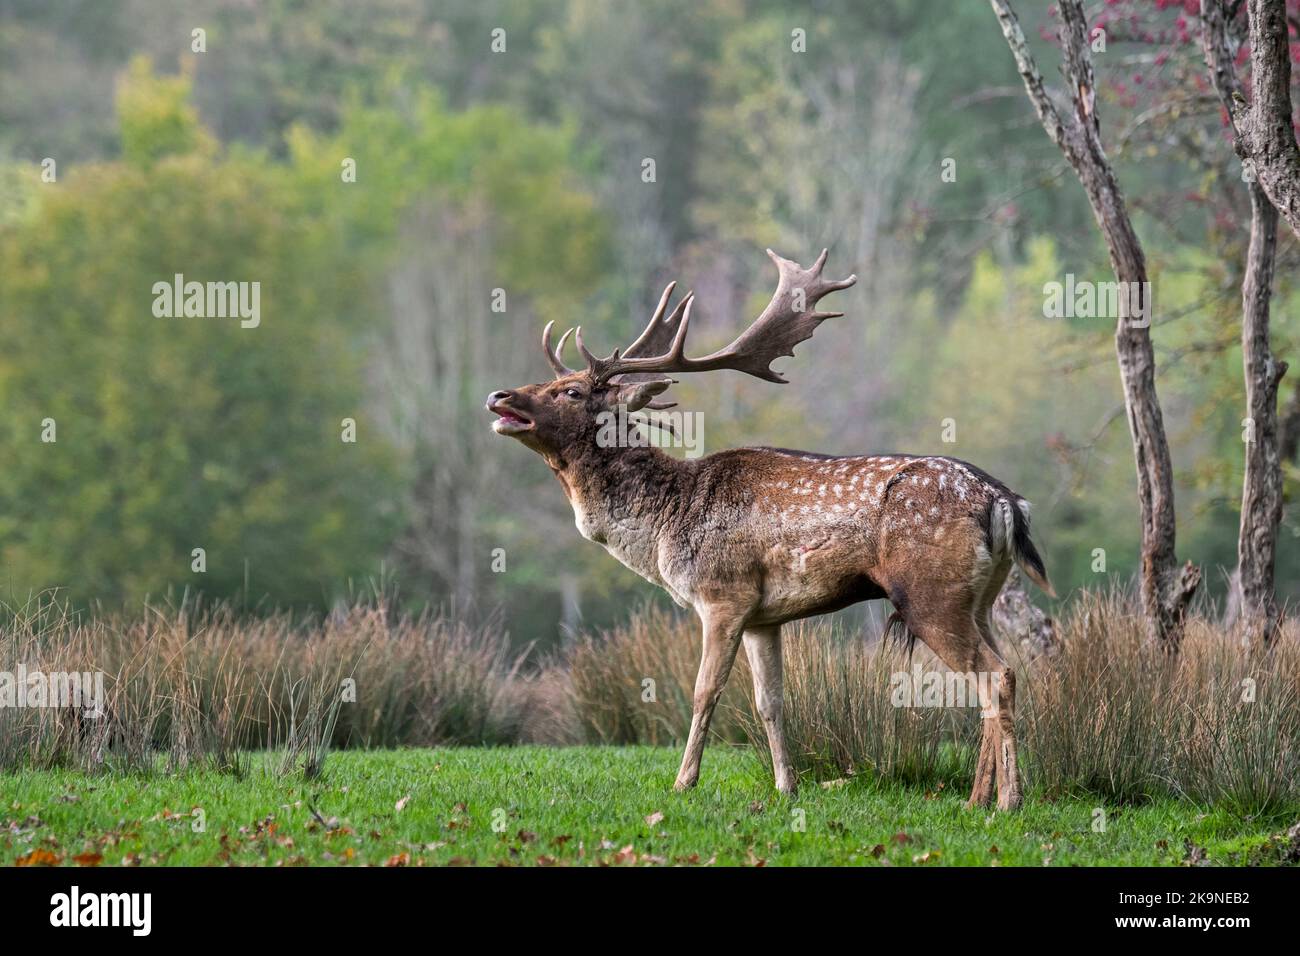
602 806
375 737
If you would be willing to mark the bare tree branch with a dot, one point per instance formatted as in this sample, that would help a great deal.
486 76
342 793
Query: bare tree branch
1166 588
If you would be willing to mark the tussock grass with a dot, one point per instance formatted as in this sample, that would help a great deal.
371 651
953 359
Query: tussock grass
202 685
1104 715
1110 714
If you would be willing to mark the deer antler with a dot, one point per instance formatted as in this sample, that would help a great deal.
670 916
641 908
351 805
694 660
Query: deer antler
788 320
553 355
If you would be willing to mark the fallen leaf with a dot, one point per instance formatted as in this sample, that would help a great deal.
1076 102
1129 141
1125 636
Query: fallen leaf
625 855
38 857
401 804
399 859
653 818
89 859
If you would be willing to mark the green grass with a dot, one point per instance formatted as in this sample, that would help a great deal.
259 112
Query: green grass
581 805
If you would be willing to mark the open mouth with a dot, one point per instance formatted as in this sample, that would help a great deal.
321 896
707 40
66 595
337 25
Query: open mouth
509 421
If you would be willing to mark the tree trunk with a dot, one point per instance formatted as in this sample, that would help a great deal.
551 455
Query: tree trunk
1267 133
1166 588
1261 493
1262 133
1252 601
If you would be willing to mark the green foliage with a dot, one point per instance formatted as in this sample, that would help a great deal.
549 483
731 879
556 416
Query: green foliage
181 433
548 239
521 170
155 116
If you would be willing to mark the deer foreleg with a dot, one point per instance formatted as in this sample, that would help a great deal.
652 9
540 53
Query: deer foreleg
763 648
722 633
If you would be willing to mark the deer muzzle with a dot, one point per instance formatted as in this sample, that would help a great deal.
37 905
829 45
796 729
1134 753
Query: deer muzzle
510 421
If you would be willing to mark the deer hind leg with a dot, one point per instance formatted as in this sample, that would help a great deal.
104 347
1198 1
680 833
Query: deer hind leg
763 648
1008 770
990 735
981 794
722 632
950 630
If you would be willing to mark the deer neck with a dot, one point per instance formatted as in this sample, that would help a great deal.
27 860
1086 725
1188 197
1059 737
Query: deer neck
622 497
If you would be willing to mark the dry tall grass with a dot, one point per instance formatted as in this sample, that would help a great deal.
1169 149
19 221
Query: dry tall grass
1112 715
1105 714
204 685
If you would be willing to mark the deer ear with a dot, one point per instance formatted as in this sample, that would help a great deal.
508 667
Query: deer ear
637 395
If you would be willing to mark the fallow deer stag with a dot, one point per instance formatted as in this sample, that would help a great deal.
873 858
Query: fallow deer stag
752 538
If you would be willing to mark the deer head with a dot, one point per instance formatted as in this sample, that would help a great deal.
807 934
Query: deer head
550 417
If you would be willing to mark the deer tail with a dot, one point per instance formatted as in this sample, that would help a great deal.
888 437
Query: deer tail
1014 533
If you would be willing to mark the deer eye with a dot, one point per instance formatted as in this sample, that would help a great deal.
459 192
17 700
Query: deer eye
573 393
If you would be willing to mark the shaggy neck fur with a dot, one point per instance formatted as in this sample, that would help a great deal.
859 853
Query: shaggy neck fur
617 492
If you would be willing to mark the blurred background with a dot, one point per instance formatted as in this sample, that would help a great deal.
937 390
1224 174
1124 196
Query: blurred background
504 146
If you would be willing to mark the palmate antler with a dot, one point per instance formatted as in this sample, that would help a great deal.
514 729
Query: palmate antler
789 319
